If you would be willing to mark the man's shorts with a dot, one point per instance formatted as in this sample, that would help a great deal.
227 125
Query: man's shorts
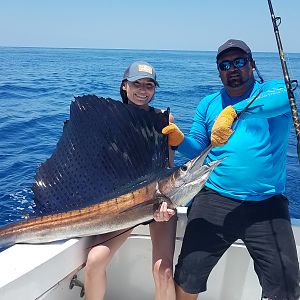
215 222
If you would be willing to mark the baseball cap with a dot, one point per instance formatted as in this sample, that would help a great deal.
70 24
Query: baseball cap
233 44
139 70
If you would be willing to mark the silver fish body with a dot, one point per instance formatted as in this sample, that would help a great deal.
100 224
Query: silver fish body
125 211
109 171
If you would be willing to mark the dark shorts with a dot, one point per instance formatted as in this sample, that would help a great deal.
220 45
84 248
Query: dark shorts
215 222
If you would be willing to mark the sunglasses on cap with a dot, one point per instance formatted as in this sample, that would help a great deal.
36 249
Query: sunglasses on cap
238 63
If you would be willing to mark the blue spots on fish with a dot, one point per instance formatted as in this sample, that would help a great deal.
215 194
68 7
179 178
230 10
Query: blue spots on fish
106 149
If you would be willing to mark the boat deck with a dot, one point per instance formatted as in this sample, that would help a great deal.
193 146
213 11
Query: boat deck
45 271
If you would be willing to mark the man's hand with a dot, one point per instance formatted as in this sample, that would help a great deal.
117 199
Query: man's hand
163 213
221 130
175 135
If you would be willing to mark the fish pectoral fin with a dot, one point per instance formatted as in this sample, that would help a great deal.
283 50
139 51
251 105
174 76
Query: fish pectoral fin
159 200
151 202
162 198
155 203
169 202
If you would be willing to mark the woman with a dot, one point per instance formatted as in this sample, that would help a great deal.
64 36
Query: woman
138 88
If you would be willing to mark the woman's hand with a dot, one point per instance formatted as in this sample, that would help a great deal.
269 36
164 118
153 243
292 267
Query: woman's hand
163 213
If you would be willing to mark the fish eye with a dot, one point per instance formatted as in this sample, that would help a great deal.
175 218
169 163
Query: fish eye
183 168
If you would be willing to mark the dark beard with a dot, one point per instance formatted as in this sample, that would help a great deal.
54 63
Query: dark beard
236 81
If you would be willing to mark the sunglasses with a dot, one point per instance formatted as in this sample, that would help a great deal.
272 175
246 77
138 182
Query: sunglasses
238 63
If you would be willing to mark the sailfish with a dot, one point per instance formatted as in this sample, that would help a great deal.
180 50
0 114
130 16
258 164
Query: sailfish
109 171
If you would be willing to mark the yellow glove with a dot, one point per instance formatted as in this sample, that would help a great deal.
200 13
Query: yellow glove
175 136
221 130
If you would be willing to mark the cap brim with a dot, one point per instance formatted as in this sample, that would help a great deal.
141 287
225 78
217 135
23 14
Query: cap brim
134 78
228 49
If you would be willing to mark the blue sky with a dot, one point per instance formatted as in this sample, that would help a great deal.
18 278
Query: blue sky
156 24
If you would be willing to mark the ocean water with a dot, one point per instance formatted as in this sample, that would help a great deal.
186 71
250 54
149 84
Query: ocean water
37 86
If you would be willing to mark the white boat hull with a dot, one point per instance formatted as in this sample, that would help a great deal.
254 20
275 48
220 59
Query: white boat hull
44 272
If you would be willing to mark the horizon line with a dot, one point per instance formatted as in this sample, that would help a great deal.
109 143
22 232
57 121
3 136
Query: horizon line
132 49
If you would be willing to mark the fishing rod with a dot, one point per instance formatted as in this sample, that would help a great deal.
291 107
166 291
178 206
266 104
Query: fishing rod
289 83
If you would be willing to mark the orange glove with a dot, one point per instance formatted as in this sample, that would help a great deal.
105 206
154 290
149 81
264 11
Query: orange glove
221 130
175 135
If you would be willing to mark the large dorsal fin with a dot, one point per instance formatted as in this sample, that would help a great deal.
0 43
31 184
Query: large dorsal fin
106 149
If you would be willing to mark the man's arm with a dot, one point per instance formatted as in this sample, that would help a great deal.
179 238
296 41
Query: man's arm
272 102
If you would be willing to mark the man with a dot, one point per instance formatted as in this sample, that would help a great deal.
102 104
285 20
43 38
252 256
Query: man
243 197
